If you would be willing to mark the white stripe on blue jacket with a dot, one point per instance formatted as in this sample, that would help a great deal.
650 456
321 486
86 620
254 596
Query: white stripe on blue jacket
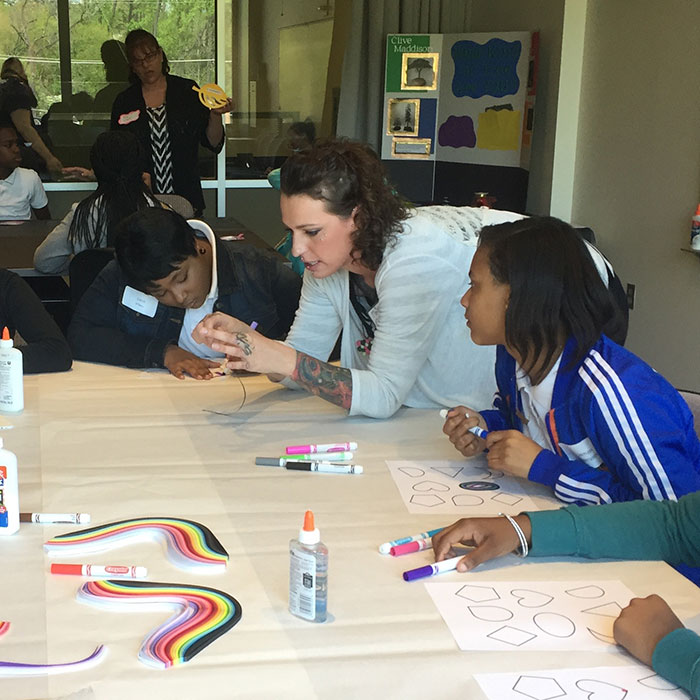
621 432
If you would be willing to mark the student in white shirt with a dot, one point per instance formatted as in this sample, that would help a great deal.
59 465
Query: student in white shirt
21 191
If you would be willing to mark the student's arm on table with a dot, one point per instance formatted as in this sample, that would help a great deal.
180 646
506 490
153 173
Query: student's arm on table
668 530
46 349
53 254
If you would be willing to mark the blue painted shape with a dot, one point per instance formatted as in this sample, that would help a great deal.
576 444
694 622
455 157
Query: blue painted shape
485 69
426 125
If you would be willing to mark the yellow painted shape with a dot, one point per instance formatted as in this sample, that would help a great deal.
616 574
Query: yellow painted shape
211 95
499 130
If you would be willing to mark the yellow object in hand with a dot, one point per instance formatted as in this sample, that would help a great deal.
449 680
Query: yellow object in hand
211 95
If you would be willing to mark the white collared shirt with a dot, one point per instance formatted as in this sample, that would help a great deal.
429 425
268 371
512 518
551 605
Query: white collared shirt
537 401
20 192
194 316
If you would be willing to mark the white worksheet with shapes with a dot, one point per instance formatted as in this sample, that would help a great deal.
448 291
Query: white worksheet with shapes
636 682
458 487
531 615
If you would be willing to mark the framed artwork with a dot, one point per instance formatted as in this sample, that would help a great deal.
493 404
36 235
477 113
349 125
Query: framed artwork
410 148
402 116
419 71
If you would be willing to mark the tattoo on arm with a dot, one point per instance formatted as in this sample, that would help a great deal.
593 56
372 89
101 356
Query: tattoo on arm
331 383
244 343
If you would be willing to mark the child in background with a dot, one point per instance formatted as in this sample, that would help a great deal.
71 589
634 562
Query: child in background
21 191
46 350
574 410
666 530
116 160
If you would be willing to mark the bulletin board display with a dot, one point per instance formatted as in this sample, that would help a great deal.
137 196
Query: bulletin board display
460 98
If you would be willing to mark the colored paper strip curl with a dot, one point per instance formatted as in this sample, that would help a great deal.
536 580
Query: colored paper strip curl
190 545
203 615
4 627
10 668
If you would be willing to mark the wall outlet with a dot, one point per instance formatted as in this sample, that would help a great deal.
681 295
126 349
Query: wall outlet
630 296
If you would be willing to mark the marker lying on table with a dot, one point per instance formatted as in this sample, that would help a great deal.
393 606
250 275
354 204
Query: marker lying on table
102 571
324 467
331 447
438 567
48 518
322 456
386 547
476 430
410 547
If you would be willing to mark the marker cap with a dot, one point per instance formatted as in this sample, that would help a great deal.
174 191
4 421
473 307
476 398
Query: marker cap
407 548
421 572
267 461
83 518
72 569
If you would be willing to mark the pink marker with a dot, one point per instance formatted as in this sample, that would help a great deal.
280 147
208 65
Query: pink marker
332 447
410 547
102 571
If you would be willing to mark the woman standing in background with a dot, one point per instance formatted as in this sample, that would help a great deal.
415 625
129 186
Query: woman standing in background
166 116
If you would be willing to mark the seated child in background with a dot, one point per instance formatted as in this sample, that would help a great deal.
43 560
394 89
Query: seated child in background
189 274
21 191
46 349
666 530
116 160
574 410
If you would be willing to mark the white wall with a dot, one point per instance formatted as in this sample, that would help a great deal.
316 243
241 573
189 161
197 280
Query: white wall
637 176
547 17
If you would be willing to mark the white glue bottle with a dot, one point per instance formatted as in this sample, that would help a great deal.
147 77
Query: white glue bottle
9 493
11 386
308 573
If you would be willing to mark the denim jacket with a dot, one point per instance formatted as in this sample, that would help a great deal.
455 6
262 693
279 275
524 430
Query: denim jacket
253 286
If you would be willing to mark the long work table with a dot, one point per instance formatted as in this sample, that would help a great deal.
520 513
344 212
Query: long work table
122 444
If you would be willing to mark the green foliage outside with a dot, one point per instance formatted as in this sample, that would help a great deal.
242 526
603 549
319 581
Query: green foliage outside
185 29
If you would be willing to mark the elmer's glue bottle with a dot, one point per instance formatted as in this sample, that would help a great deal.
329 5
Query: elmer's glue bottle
308 573
9 495
11 386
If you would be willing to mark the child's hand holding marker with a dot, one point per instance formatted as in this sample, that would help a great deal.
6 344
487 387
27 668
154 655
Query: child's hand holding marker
466 429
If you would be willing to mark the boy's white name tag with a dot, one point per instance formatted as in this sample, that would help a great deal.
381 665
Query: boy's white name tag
138 301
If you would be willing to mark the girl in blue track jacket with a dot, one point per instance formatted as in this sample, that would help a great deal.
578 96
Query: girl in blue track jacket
574 410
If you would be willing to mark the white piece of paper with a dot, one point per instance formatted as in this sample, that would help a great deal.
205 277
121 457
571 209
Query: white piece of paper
458 487
531 615
636 682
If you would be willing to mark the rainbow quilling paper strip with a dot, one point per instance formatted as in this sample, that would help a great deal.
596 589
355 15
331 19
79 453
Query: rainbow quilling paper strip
203 614
190 546
4 627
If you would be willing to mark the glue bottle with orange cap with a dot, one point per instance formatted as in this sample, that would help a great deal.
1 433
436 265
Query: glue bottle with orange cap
308 573
11 386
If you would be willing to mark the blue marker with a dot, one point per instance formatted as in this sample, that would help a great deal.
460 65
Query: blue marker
386 547
476 430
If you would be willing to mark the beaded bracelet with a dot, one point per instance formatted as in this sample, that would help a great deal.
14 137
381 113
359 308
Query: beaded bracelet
524 549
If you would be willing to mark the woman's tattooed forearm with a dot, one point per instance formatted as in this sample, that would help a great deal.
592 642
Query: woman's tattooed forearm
327 381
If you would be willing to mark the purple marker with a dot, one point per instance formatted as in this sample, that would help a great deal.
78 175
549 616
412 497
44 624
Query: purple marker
253 325
476 430
438 567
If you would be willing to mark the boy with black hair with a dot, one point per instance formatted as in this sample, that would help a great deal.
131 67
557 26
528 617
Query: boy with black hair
21 191
169 274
